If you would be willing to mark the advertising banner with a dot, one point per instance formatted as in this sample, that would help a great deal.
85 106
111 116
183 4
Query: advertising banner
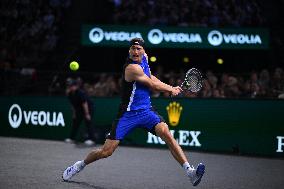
176 37
215 125
221 125
35 117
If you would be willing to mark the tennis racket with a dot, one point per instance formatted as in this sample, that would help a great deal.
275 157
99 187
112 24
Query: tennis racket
193 80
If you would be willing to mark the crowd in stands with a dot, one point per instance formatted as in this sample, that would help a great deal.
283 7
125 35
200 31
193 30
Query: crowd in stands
29 31
200 13
263 84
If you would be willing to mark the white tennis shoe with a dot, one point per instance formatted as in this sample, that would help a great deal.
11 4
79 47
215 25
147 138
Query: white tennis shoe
89 143
72 170
195 175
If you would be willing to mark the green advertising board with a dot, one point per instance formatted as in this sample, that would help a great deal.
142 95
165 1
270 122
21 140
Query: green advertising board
176 37
35 117
237 126
215 125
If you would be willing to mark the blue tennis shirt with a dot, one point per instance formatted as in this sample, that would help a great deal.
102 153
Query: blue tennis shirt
140 94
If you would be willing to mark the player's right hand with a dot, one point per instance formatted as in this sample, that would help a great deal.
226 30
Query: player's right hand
176 90
88 117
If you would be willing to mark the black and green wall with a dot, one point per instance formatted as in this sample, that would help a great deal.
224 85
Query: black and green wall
254 127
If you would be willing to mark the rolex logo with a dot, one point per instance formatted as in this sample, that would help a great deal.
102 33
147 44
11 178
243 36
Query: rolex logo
174 110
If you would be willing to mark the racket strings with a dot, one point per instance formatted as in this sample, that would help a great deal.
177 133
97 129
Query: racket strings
193 81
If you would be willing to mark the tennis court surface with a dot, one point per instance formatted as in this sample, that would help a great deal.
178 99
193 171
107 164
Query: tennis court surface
29 163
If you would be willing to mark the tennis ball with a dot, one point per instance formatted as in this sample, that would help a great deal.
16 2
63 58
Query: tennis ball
220 61
74 66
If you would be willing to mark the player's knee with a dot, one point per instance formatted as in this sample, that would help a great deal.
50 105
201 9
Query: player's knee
164 131
164 136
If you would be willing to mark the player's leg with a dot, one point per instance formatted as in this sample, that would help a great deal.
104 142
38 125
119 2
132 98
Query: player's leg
195 175
120 128
104 152
163 132
155 124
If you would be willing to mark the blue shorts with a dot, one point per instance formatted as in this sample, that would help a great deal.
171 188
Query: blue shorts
130 120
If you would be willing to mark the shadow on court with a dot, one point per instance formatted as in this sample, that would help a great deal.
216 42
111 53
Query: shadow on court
84 184
33 164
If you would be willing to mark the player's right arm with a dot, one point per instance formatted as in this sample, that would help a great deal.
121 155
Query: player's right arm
86 110
133 72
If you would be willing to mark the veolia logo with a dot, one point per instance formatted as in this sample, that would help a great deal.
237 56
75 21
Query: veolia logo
17 115
155 36
96 35
15 118
215 38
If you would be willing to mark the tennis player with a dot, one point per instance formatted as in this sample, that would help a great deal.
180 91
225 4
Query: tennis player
135 111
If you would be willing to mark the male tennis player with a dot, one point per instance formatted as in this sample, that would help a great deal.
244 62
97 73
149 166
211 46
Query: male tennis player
136 111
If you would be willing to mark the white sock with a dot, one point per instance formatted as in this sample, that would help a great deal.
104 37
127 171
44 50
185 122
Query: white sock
81 164
188 169
186 166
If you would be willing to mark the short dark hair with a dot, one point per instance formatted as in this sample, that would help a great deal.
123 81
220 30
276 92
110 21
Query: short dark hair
137 41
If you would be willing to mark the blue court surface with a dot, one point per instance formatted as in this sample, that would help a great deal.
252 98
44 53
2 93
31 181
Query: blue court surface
29 163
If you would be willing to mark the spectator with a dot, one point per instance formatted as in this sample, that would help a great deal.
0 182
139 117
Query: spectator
189 13
277 83
82 108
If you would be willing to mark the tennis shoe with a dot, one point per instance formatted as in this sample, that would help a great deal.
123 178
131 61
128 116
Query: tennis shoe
195 175
69 140
71 171
89 143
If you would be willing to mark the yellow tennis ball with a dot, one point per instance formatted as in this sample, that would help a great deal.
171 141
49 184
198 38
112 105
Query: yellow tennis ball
220 61
74 66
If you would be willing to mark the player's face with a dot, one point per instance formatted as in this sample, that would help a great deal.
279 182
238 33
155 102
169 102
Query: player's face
136 53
